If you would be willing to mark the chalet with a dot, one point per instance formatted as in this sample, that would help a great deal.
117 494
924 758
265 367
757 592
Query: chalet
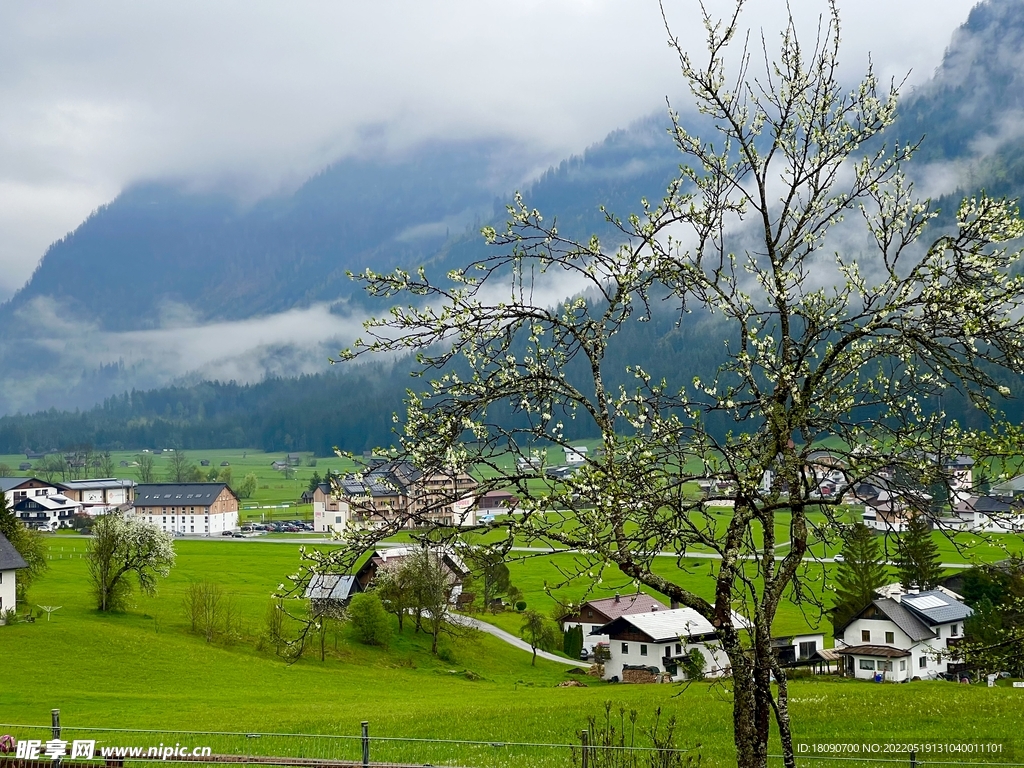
10 563
99 496
903 637
18 488
645 646
188 508
596 613
988 514
392 556
330 591
887 508
47 513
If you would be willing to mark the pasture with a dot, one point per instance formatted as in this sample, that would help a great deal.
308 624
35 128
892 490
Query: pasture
144 669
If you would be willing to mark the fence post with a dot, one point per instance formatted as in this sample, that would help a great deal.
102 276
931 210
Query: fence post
55 725
584 751
366 743
913 759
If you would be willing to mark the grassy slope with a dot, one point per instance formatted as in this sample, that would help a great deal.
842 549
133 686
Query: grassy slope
142 669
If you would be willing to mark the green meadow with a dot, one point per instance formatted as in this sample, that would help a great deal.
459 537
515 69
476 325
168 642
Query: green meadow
143 669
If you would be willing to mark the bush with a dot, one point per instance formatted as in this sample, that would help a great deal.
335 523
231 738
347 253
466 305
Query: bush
369 620
521 605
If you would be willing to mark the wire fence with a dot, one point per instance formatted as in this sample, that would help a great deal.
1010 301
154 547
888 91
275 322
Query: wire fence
59 746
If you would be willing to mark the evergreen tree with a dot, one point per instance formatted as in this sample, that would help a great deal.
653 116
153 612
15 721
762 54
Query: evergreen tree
861 572
918 561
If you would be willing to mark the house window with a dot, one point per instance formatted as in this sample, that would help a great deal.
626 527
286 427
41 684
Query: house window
890 638
865 637
808 649
953 631
903 665
867 664
643 650
885 666
923 662
679 649
590 614
625 648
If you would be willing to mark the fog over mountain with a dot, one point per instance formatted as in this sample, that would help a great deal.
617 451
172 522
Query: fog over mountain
174 281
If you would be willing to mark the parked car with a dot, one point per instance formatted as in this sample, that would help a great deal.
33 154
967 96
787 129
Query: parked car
227 533
584 654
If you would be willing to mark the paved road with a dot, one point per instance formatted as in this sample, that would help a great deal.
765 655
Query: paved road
508 637
534 550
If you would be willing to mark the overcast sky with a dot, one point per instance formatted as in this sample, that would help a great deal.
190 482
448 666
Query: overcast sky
258 95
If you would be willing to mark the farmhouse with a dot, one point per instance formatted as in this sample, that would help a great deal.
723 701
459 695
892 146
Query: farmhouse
576 455
188 508
642 645
10 563
386 557
47 513
901 637
99 496
596 613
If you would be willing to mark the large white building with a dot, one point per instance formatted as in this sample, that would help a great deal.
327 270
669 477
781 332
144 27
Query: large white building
903 637
189 509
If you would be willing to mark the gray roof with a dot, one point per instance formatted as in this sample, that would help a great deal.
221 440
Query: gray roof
904 619
105 482
388 478
331 586
10 559
7 483
935 607
1009 487
666 626
176 494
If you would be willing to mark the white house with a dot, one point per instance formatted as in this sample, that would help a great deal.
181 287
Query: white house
987 514
903 637
656 643
47 513
594 614
576 455
10 563
19 488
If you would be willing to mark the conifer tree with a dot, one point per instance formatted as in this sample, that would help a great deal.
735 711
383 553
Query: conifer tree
861 572
918 562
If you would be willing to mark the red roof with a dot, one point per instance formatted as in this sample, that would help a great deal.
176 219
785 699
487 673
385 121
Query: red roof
611 608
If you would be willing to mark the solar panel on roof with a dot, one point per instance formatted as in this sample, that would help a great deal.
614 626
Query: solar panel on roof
923 603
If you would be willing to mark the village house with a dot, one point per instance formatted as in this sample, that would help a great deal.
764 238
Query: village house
18 488
10 563
202 509
903 636
576 455
386 557
47 512
596 613
99 496
646 646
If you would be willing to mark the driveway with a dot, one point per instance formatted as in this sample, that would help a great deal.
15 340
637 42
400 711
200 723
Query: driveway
508 637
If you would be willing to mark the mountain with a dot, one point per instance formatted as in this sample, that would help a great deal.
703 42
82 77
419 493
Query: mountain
171 285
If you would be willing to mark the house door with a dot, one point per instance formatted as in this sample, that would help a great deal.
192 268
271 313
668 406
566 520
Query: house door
849 666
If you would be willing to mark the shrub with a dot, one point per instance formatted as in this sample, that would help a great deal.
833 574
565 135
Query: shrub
369 620
521 605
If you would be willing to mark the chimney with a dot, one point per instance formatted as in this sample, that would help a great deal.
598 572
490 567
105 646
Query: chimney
616 597
673 604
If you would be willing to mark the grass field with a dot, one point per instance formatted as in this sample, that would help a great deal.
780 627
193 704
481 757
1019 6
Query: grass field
143 669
